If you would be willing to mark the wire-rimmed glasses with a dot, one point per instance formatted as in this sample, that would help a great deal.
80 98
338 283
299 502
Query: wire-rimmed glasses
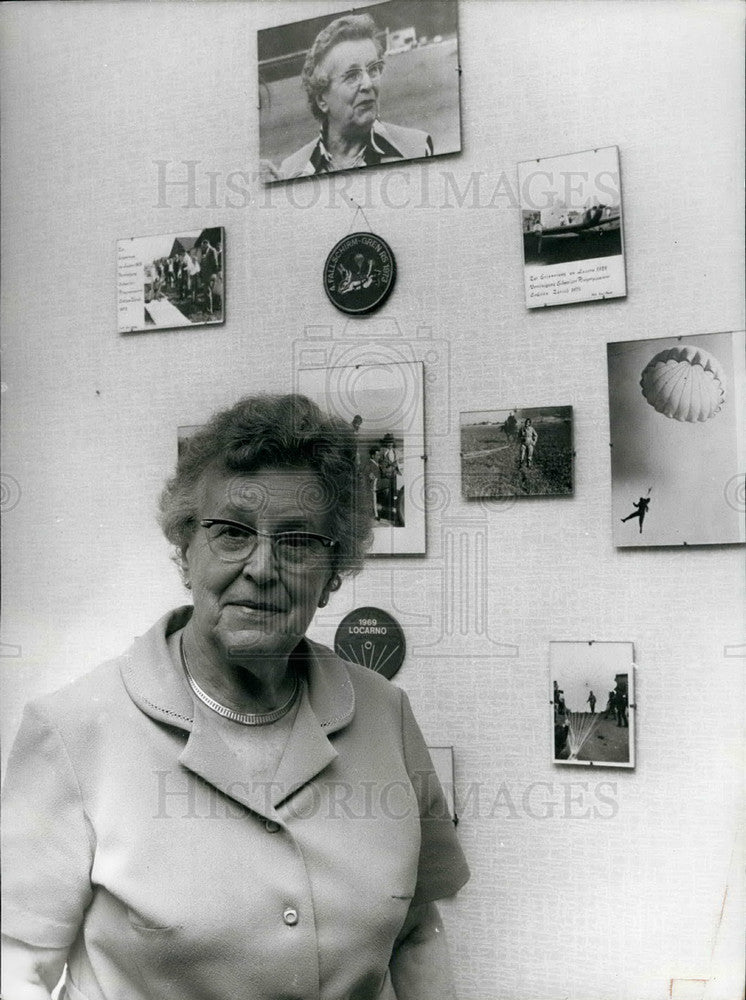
354 75
234 542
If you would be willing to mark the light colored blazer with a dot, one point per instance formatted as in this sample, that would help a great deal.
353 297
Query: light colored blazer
134 836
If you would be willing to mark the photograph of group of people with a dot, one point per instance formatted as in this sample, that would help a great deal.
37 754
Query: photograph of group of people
185 285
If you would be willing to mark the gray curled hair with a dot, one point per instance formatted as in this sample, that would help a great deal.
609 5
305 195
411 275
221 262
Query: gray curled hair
274 432
350 28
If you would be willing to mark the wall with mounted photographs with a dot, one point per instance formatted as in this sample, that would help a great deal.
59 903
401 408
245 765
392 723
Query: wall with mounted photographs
143 119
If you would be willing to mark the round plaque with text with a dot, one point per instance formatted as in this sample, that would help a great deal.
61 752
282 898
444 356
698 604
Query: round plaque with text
359 273
373 639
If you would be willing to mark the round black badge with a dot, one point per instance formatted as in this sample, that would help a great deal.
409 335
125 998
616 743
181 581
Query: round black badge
359 273
373 639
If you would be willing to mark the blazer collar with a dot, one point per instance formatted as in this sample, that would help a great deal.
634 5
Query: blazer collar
378 146
156 686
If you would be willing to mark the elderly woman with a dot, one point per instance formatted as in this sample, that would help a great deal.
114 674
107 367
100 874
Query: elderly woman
228 810
342 79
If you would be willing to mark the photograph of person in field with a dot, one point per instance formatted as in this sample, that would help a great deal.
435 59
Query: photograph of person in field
517 453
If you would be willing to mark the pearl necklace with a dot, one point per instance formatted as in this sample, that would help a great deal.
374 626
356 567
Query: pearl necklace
244 718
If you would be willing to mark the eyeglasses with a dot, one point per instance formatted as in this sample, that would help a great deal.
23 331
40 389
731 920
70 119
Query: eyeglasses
353 76
233 542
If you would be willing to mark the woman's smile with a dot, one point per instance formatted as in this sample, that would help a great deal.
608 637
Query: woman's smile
257 606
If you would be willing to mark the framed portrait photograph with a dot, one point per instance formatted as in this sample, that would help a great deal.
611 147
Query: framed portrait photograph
384 406
171 281
676 414
378 84
571 215
592 703
515 453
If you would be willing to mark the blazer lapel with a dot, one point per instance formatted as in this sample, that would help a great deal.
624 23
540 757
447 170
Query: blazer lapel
210 757
326 706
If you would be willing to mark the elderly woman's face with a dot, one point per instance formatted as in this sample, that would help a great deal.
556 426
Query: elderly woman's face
351 105
260 605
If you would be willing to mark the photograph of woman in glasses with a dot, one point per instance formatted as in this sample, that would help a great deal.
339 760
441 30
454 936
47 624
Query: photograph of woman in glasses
229 810
351 83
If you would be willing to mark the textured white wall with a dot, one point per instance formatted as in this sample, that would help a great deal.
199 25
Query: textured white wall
583 891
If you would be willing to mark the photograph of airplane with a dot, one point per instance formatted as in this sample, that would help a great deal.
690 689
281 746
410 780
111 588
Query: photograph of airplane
562 223
571 214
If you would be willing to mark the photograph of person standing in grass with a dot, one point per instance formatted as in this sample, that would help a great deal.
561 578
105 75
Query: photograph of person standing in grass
378 85
519 452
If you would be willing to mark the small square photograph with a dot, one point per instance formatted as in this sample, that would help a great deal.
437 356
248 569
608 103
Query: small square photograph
517 453
384 406
592 703
171 281
676 414
375 85
571 211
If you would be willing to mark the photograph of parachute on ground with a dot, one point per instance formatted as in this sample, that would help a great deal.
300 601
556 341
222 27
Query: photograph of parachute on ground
592 703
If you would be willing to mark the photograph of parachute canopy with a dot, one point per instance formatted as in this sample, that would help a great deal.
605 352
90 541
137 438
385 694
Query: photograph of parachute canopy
592 703
676 413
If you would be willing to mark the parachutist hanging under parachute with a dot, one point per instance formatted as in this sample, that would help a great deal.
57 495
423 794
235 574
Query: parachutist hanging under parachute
641 510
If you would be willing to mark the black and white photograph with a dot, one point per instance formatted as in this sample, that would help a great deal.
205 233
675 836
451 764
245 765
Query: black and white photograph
571 217
171 281
376 85
677 440
285 542
518 452
384 406
592 703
